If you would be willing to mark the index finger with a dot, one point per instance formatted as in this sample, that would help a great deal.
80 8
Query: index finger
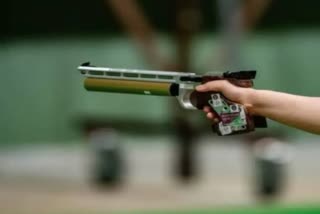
216 85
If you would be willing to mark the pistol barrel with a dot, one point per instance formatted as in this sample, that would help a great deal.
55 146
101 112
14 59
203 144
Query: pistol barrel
132 87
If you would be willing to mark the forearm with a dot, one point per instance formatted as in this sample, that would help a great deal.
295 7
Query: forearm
293 110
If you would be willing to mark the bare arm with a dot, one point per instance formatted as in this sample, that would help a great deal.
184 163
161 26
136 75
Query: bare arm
293 110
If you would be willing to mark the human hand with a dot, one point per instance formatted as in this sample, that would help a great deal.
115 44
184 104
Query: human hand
234 93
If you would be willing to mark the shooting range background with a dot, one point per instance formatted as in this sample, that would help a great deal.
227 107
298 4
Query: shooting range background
42 92
43 101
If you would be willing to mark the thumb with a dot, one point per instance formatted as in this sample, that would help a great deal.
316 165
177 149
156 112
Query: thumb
216 85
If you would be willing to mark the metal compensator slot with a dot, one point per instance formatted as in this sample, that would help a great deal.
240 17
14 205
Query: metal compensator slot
133 74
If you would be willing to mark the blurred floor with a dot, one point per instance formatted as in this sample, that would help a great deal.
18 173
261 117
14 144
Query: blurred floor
53 179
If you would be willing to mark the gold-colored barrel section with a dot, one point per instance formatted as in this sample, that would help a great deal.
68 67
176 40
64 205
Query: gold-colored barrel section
131 87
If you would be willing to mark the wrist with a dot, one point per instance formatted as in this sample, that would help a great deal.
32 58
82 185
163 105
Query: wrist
249 100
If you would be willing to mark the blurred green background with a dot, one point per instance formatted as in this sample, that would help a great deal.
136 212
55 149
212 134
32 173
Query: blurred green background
42 97
45 110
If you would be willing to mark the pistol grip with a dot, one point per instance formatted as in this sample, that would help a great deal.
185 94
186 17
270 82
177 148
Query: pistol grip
233 118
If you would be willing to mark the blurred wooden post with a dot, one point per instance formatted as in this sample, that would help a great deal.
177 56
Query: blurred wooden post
186 23
187 17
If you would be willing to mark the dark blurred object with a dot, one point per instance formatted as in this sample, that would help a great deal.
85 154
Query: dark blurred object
271 156
185 167
187 21
107 161
36 17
